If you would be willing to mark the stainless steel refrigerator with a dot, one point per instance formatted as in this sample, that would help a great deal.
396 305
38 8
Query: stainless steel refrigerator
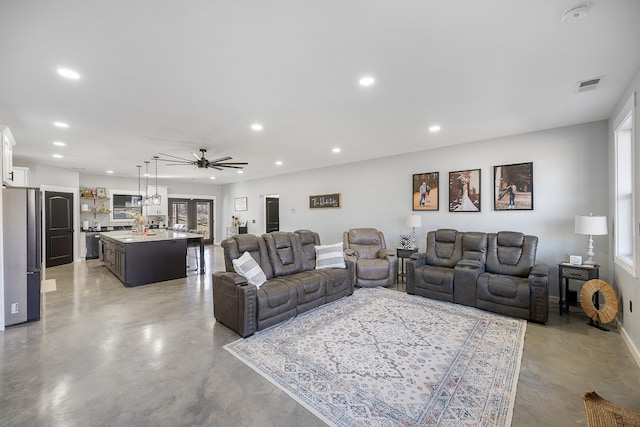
21 216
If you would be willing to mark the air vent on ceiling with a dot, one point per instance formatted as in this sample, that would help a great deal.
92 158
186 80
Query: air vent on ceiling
589 84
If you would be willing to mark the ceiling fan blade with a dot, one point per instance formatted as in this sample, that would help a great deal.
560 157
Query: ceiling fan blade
196 156
224 165
175 157
215 167
221 159
231 163
179 164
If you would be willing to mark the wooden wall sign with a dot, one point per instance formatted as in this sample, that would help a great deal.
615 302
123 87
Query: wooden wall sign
324 201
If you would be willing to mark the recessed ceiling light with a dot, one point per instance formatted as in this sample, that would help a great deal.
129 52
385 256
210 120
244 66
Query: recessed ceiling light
59 143
278 163
336 150
256 127
240 171
68 73
60 125
366 81
212 177
57 156
109 171
434 128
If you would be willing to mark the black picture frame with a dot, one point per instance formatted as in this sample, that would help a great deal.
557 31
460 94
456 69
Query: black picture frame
465 191
429 200
513 187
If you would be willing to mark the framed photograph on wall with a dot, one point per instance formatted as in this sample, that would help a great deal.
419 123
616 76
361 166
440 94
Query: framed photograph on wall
513 187
464 191
240 203
425 191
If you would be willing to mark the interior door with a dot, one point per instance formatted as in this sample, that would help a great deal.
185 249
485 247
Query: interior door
59 227
195 214
273 213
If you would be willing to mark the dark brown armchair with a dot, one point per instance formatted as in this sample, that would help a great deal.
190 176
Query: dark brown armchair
375 264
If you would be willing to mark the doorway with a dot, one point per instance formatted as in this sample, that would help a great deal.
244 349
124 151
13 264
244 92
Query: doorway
272 208
58 228
195 214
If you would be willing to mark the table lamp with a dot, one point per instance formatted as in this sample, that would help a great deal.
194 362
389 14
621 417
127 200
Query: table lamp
413 221
591 226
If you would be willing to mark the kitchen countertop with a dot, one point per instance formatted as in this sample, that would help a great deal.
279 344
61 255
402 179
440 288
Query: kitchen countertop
128 236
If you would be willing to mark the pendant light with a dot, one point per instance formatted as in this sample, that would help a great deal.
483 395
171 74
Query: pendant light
146 200
156 199
136 202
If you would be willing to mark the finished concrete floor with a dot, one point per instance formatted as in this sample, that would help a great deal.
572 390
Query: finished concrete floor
104 354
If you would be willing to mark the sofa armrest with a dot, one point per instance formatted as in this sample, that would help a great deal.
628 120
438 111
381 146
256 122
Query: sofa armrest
416 260
539 284
351 267
539 270
386 253
234 302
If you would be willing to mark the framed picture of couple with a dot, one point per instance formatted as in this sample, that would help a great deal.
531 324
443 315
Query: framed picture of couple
425 191
464 191
513 187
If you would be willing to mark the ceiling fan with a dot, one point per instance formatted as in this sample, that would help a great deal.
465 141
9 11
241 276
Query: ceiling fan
203 163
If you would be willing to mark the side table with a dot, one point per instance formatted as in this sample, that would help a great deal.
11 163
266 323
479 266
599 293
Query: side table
402 254
576 272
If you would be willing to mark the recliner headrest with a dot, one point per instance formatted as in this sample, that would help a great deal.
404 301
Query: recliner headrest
364 236
246 242
510 238
446 235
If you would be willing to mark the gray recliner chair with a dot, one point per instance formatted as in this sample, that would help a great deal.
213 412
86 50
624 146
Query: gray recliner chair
512 283
375 265
431 273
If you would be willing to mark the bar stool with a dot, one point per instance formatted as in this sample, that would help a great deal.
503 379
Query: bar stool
193 256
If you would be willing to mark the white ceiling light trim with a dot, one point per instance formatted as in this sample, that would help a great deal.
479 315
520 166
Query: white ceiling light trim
336 150
57 156
434 128
257 127
68 73
62 125
366 81
59 143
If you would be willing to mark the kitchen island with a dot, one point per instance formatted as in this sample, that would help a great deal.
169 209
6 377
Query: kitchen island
140 259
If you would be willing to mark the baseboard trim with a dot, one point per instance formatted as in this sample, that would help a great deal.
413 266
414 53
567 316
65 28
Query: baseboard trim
630 345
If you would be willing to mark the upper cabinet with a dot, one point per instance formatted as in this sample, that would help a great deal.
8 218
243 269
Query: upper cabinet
7 155
162 208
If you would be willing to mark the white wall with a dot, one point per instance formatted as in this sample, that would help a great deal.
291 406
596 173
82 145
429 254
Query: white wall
570 178
627 286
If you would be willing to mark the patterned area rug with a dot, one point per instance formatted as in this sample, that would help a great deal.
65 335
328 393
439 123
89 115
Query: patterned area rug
385 358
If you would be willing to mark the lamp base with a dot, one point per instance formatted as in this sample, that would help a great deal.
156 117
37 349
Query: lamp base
588 262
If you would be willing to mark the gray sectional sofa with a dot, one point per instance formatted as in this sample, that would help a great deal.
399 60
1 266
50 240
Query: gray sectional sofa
293 284
491 271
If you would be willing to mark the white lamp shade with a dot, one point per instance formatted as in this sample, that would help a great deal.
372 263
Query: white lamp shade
414 221
591 225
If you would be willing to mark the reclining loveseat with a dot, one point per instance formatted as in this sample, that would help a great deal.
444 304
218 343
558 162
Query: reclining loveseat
491 271
294 279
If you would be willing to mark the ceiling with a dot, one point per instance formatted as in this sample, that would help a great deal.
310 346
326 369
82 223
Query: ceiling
172 77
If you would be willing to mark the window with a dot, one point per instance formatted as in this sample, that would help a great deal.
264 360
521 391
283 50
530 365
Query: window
624 190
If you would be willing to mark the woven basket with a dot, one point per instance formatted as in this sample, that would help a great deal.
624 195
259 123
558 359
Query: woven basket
608 310
603 413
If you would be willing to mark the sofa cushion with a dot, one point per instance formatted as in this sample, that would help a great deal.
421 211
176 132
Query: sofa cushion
505 290
284 251
308 240
248 268
329 256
